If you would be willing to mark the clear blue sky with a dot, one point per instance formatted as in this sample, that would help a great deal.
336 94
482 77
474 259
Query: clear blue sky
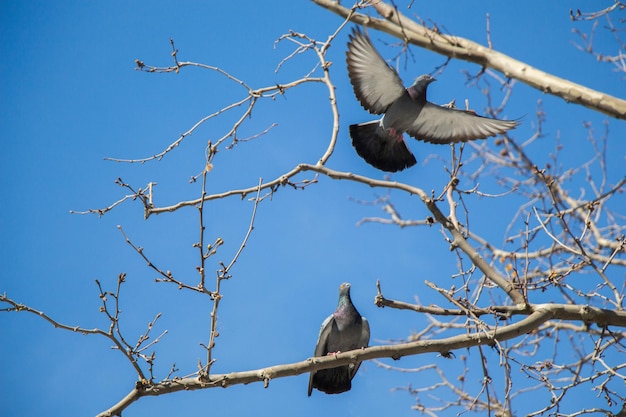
70 97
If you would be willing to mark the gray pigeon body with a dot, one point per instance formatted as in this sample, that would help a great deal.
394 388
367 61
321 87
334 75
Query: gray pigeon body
405 110
342 331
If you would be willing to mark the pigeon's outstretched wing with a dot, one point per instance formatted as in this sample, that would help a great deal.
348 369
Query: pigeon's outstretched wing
375 83
442 125
379 89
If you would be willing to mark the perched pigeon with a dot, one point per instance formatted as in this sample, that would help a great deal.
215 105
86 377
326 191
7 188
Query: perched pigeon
380 90
342 331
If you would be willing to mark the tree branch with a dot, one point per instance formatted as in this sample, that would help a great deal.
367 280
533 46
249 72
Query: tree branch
540 314
458 240
408 30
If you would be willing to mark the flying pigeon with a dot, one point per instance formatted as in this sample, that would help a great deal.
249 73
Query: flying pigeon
342 331
380 90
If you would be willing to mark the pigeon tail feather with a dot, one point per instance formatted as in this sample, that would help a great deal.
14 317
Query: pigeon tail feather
380 150
332 381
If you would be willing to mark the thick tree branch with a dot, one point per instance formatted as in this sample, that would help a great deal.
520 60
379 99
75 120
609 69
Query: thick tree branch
406 29
539 315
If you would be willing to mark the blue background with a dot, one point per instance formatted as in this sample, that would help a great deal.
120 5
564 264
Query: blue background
71 96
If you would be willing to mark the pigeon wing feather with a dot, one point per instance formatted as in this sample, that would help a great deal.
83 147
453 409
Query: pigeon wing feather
363 342
322 339
437 124
375 83
321 346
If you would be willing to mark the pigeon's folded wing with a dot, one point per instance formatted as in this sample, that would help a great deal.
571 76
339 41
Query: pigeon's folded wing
364 342
322 339
375 83
321 346
442 125
365 333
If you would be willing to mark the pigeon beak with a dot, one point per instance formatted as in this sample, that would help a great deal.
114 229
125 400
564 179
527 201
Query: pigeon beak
424 79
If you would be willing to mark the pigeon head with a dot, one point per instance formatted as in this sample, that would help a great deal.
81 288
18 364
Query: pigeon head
418 89
424 80
344 293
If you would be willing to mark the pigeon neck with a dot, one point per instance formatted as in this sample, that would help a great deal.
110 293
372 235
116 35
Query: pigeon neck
417 92
345 308
344 301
